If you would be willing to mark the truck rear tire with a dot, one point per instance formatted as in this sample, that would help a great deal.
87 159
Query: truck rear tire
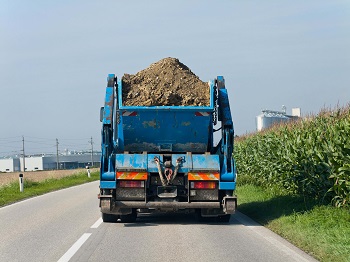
129 218
109 218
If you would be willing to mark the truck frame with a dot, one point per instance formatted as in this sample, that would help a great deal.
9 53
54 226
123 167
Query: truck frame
163 158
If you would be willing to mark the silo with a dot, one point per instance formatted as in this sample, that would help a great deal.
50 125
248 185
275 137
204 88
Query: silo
268 118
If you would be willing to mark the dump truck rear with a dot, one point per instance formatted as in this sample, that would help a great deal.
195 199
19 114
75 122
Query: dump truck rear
163 158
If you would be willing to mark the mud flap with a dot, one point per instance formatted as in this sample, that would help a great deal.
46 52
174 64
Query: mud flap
108 207
106 204
229 204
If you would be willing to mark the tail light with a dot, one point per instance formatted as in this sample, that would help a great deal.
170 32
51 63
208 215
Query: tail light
131 183
203 185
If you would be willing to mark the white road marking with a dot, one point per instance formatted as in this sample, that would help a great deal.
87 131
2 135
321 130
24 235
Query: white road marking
97 223
70 253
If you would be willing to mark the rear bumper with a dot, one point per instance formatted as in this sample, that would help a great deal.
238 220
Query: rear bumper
109 206
166 204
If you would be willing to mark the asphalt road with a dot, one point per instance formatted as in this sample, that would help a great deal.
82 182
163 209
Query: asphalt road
66 226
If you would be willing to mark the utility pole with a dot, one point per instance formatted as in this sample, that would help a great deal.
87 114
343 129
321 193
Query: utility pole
92 152
57 160
24 155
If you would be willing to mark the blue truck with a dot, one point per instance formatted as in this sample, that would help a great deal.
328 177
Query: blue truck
163 158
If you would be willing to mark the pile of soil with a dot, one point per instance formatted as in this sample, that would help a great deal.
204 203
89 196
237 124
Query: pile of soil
167 82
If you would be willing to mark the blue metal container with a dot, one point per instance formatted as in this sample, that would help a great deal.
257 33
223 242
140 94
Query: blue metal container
164 128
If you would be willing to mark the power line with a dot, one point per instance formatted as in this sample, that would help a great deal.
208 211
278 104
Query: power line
73 139
40 143
11 137
11 145
9 142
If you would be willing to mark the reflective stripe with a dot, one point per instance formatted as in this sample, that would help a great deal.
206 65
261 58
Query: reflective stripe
129 113
201 114
203 176
132 175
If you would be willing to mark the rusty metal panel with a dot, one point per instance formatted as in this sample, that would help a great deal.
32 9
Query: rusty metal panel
130 193
203 194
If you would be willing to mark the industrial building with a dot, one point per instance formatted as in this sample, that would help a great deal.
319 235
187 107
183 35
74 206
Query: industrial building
10 165
49 162
267 118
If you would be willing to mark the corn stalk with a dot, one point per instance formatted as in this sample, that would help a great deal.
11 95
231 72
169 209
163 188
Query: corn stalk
310 157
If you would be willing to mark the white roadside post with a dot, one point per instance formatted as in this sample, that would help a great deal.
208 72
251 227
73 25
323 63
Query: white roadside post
21 182
88 171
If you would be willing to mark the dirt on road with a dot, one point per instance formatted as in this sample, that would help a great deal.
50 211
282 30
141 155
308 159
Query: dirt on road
167 82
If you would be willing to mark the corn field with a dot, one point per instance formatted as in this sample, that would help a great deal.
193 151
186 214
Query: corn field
309 157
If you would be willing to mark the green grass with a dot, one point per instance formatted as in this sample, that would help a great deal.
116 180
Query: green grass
321 230
10 193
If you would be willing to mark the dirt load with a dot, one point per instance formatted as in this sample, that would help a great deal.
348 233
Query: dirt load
167 82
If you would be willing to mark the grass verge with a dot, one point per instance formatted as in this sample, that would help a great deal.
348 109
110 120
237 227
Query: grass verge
10 193
322 231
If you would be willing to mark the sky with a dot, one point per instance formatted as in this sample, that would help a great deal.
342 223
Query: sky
55 57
